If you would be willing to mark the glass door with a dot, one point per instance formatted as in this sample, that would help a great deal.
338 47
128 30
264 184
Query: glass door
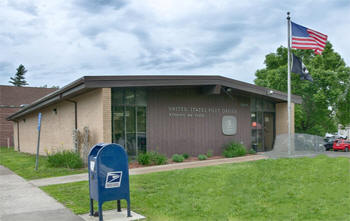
262 124
269 130
257 131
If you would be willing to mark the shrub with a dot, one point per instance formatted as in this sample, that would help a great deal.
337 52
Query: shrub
177 158
65 158
234 149
157 158
202 157
185 155
151 158
210 153
143 159
252 151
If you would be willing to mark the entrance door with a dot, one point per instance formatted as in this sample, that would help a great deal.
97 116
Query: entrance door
263 130
257 131
268 130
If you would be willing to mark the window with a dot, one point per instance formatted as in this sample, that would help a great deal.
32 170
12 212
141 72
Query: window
229 125
129 119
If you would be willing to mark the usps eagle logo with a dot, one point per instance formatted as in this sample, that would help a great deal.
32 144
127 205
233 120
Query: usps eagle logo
113 179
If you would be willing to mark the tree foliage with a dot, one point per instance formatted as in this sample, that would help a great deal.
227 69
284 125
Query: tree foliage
325 101
53 86
19 80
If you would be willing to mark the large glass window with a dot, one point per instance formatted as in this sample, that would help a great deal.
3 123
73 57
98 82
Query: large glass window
129 119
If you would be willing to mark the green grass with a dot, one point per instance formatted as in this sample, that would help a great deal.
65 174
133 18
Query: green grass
24 165
282 189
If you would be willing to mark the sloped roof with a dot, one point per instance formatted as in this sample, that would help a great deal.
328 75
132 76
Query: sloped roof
88 83
13 96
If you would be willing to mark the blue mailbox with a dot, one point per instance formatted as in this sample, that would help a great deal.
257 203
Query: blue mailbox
108 176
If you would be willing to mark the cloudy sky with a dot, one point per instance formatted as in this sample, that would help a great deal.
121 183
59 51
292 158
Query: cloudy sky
60 41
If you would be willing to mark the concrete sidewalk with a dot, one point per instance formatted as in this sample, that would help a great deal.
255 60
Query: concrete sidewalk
150 169
20 200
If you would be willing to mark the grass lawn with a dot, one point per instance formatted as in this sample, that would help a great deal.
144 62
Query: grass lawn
24 165
274 189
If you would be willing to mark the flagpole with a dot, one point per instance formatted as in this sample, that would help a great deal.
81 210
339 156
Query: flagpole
289 90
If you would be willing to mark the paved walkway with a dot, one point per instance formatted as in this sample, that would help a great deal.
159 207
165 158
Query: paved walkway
20 200
151 169
276 154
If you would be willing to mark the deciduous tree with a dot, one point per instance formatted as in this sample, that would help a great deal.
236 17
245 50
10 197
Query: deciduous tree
325 101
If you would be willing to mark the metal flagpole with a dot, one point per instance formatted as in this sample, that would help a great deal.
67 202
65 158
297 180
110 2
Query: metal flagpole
289 91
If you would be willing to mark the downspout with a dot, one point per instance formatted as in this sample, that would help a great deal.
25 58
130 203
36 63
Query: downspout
18 148
75 113
75 121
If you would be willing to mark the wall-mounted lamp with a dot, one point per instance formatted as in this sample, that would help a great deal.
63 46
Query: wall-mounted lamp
54 110
23 105
270 92
24 120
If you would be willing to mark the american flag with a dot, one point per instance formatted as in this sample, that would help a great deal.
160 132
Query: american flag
306 38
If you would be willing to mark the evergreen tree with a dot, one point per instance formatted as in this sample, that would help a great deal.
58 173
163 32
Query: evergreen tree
325 101
19 79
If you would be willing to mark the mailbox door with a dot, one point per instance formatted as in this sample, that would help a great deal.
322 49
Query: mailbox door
92 168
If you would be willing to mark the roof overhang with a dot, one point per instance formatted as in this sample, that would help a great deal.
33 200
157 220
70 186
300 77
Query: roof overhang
87 83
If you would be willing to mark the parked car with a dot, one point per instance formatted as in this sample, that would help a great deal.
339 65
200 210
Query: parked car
341 145
329 143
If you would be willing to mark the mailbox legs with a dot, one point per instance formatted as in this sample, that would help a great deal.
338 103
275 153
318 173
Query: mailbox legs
119 208
91 207
129 213
100 215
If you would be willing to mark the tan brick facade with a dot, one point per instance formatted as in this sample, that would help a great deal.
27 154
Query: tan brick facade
107 115
282 118
57 127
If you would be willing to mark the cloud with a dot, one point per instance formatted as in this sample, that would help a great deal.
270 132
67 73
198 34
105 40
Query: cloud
96 6
24 6
5 66
59 41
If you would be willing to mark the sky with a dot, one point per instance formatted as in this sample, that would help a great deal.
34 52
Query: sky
61 41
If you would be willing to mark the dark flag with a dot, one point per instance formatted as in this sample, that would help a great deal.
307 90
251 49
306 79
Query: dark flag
299 68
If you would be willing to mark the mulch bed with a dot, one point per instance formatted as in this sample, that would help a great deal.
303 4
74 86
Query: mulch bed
135 164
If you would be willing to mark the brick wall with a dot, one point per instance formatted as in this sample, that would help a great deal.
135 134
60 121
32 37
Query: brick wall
6 127
107 115
10 99
282 118
57 126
